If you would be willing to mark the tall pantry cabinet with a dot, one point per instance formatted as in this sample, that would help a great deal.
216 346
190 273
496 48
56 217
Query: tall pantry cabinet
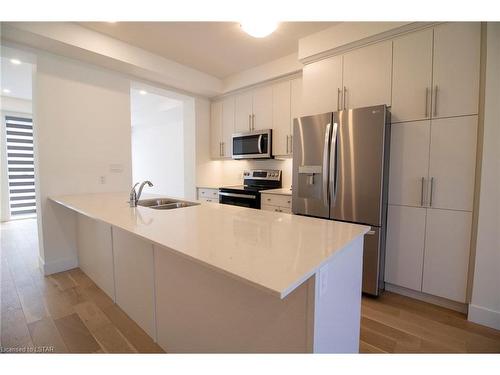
435 97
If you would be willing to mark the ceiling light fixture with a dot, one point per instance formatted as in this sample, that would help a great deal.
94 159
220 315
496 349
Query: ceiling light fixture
15 61
143 92
6 91
258 28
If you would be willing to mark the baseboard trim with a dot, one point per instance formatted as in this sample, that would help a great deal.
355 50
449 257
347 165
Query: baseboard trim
484 316
57 265
429 298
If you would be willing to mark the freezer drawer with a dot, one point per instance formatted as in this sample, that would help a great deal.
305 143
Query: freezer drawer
372 261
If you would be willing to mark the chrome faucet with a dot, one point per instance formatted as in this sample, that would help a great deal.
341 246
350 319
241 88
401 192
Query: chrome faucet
134 197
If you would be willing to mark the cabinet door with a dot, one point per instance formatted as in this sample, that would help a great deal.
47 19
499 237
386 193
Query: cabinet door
412 77
95 253
456 69
134 278
227 126
409 163
281 118
446 259
295 101
243 112
262 108
322 85
453 162
215 129
367 76
405 246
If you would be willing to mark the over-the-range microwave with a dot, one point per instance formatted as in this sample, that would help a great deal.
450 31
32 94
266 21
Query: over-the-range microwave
256 144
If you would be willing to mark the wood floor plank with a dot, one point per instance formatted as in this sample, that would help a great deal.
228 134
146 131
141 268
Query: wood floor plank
14 332
45 334
134 334
75 334
32 303
366 348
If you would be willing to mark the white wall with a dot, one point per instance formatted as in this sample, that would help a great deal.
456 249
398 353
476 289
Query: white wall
485 304
158 152
82 132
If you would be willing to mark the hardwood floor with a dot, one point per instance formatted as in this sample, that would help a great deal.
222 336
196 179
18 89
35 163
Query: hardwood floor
67 312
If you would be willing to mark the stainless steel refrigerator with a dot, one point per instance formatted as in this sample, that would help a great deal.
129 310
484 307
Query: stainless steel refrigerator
340 172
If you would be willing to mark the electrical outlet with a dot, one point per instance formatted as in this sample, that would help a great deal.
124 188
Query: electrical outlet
102 180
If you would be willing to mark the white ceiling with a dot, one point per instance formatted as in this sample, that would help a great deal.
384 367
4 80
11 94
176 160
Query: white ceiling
217 48
16 78
151 109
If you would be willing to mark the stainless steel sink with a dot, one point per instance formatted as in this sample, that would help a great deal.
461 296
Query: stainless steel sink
164 204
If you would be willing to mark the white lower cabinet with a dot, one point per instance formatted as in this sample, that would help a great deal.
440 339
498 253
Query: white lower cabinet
276 203
95 253
134 279
208 195
405 246
427 250
446 258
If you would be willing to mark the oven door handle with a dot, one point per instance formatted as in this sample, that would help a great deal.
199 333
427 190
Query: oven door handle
237 195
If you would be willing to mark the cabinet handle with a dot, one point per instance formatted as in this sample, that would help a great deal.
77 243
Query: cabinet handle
220 149
426 102
253 122
432 190
422 191
249 122
344 97
291 144
287 144
223 151
338 98
435 100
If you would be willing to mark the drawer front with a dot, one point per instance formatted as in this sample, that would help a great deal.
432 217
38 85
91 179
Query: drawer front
212 200
285 210
284 201
208 193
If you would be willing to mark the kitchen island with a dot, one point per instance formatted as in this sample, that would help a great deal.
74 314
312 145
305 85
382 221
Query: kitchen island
219 278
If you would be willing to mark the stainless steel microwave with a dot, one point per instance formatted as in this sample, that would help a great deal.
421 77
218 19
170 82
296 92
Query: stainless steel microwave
252 145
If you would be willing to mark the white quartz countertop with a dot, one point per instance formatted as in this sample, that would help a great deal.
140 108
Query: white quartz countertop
283 191
274 251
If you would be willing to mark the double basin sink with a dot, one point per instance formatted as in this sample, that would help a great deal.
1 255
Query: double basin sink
164 203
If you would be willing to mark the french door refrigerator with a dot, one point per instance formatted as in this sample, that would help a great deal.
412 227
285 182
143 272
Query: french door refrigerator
340 172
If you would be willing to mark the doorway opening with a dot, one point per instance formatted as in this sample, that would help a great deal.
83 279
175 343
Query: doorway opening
162 138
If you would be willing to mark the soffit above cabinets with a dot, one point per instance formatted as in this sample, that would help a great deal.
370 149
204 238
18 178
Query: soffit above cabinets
220 49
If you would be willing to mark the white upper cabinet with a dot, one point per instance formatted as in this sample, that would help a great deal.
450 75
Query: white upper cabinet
295 99
453 162
216 130
409 163
322 86
456 69
243 112
367 76
262 108
227 126
446 258
405 246
412 77
281 118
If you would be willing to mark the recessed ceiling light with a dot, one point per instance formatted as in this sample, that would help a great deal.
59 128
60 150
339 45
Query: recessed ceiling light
6 91
143 92
258 28
15 61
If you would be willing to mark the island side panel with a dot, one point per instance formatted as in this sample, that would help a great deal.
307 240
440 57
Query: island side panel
95 254
199 310
337 302
134 279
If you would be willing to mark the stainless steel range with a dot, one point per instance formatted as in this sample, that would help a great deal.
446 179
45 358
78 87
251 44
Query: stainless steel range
248 194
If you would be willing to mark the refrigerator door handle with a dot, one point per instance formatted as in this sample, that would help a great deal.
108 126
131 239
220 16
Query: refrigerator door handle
326 157
333 162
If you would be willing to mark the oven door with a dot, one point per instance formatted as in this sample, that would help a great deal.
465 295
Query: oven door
250 200
252 145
